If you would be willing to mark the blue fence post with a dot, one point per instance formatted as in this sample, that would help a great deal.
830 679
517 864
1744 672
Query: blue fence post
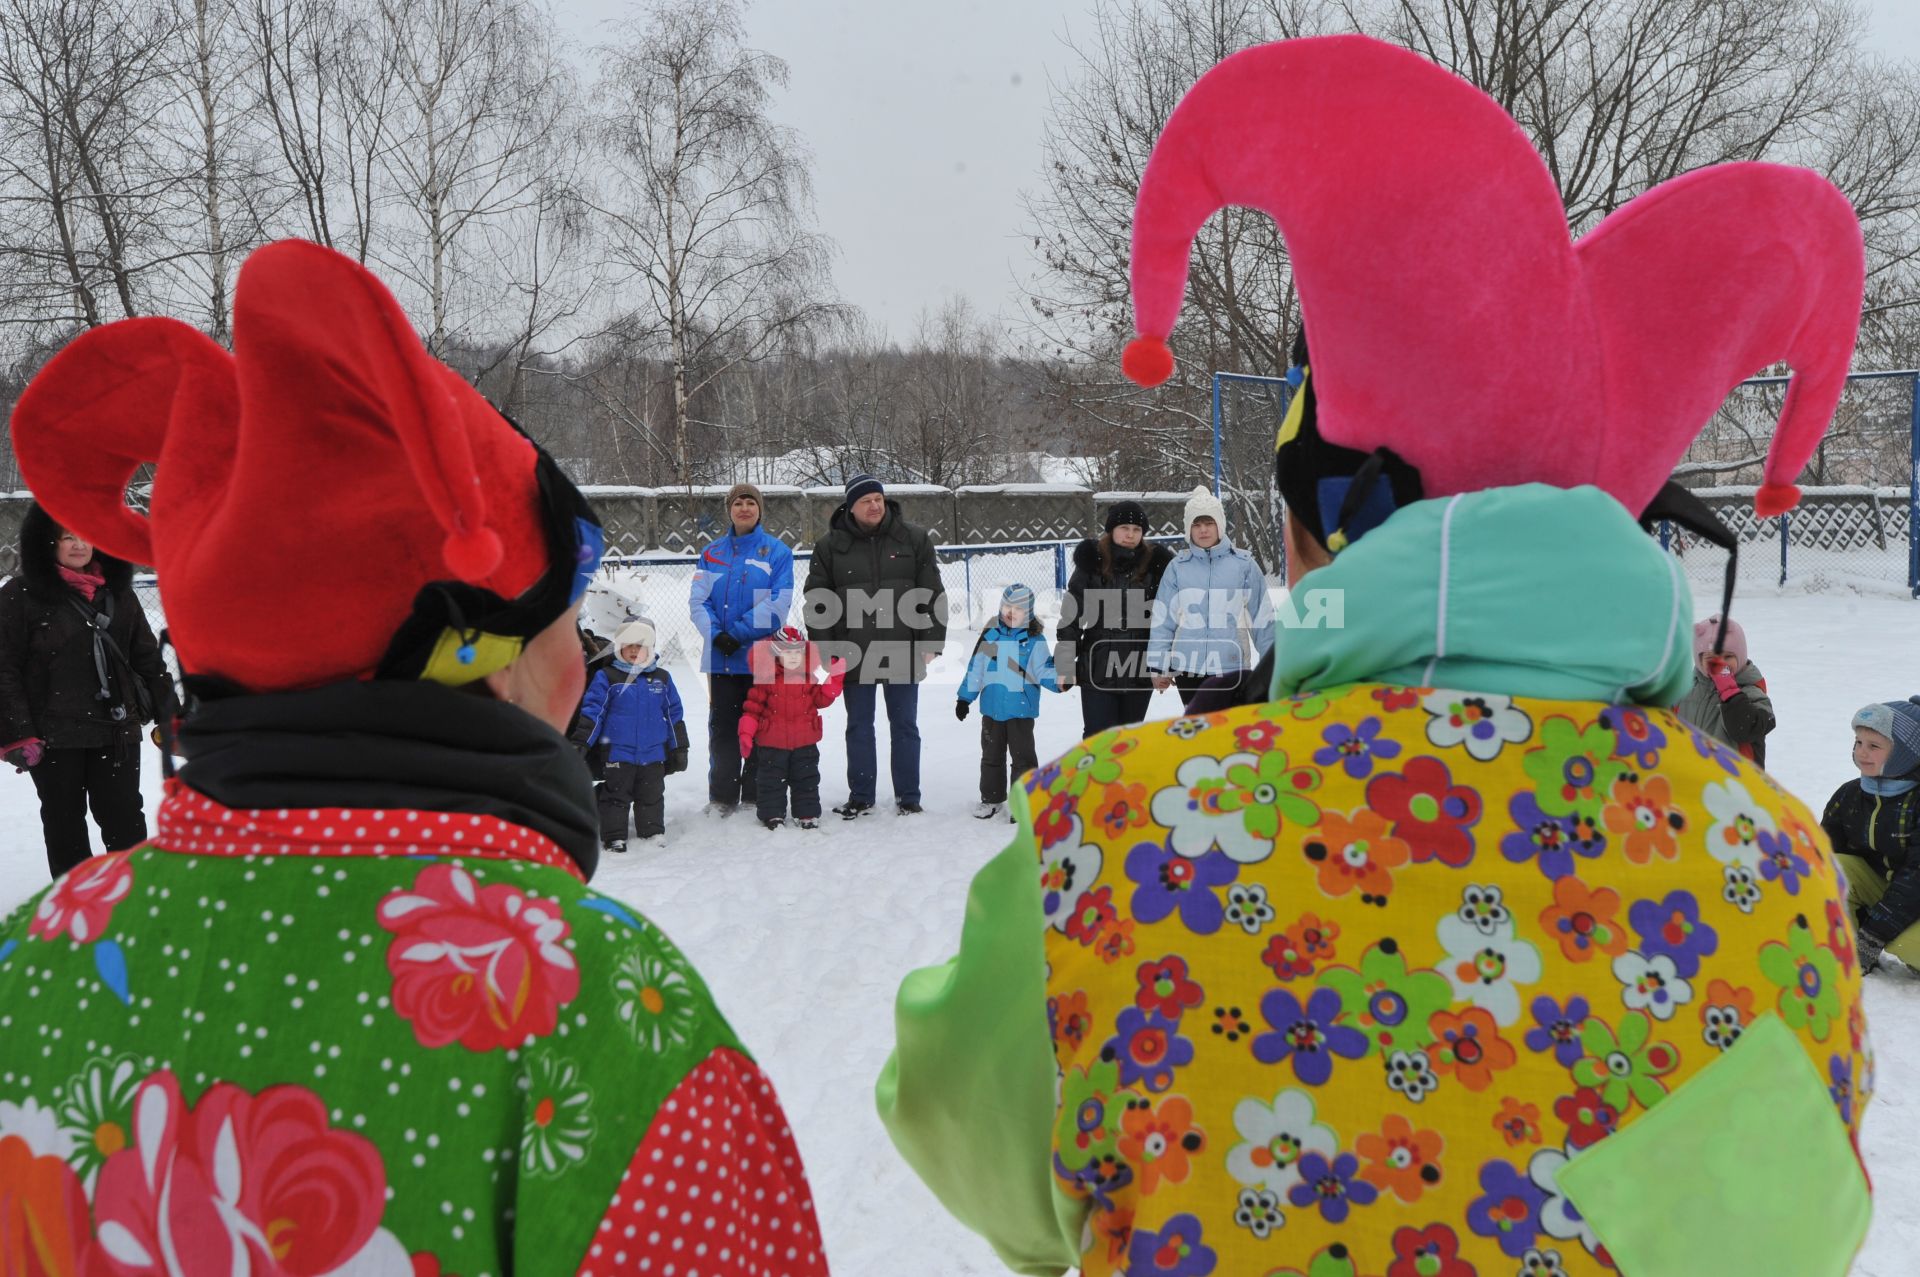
1913 495
1783 549
966 564
1060 566
1666 535
1218 429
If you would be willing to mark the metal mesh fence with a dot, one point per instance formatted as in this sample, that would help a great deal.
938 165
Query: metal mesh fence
1853 530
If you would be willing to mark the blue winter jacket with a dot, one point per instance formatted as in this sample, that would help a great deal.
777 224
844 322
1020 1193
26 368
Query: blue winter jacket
1205 597
743 587
1007 671
637 712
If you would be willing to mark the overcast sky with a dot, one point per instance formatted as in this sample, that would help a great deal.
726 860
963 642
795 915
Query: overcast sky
924 118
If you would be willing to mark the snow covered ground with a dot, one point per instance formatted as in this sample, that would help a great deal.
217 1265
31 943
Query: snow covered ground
804 936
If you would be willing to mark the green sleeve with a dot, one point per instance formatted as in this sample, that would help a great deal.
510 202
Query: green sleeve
968 1095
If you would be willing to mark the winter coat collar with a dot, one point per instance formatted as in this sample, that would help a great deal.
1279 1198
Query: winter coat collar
1086 556
1524 591
393 746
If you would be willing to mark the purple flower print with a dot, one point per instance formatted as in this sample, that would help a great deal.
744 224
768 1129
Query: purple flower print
1634 735
1174 1251
1169 881
1149 1048
1508 1209
1558 1028
1672 927
1779 862
1355 748
1332 1186
1308 1034
1550 841
1841 1071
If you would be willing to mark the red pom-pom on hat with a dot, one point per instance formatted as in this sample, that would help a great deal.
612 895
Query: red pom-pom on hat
1775 499
1147 361
472 556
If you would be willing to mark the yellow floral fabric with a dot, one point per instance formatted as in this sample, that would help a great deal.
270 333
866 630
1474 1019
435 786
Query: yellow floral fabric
1337 984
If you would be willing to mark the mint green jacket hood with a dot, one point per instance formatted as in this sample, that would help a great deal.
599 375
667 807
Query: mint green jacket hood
1524 591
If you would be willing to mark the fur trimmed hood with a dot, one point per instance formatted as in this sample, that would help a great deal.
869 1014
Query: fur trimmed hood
1086 556
39 567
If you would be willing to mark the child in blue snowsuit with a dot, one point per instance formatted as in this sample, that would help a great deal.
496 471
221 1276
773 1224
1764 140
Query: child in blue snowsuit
633 706
1009 666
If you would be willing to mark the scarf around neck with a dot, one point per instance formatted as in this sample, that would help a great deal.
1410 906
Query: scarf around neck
87 584
393 745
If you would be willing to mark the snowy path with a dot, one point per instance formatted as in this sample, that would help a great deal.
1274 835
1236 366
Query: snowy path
804 936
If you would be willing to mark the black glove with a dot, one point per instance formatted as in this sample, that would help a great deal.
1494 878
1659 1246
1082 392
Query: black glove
1867 949
725 643
960 709
676 762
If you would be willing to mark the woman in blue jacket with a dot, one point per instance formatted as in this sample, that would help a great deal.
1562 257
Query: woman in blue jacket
1207 594
741 594
1009 666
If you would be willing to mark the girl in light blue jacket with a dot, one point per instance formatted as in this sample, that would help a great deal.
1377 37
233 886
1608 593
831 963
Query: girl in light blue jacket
1208 593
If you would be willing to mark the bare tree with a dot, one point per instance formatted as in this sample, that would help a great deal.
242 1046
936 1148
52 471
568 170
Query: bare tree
470 137
707 201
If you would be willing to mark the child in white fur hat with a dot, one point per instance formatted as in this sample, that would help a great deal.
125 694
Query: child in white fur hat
634 707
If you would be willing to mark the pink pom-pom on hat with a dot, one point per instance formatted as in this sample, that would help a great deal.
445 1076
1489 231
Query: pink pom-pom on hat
1455 320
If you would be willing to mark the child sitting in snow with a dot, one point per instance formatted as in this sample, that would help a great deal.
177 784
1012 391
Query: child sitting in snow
1874 825
782 721
1728 700
1010 665
633 706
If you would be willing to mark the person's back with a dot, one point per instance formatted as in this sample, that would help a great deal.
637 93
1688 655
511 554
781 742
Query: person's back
329 1035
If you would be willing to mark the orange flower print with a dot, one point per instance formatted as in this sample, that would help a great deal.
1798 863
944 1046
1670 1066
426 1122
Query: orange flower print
1469 1046
1116 1227
1357 853
1518 1123
1116 941
1296 951
1157 1140
1123 807
1725 1013
1583 919
1400 1159
1642 816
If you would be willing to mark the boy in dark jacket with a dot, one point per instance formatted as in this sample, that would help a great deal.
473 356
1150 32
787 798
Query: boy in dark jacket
780 725
1010 665
634 707
1874 825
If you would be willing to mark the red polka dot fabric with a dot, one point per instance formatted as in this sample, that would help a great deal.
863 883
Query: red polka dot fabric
716 1190
193 823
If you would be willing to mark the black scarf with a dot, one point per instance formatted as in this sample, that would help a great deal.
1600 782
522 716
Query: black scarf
395 745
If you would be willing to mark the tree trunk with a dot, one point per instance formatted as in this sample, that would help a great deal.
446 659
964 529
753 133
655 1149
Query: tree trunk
216 239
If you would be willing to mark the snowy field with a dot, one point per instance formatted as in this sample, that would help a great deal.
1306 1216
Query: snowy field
804 936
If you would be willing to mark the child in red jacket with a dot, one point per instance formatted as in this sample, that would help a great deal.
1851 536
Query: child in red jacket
782 718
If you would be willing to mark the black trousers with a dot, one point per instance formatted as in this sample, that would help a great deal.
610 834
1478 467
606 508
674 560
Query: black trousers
1100 710
1226 685
1000 738
729 779
70 782
641 787
781 770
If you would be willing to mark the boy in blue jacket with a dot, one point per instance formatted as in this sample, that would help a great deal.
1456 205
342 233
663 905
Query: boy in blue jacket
1009 666
634 707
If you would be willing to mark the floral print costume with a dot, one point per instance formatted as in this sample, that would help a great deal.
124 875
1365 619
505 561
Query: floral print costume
408 1042
1378 964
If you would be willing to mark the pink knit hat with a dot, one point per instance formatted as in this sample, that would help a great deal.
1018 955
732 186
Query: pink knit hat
1453 318
1736 641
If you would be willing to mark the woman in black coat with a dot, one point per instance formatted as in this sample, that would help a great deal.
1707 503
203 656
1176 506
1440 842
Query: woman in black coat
74 692
1108 618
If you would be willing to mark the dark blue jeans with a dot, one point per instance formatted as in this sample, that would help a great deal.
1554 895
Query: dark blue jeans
903 725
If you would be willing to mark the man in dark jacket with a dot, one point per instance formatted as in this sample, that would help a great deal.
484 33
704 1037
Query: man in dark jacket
79 672
741 594
874 600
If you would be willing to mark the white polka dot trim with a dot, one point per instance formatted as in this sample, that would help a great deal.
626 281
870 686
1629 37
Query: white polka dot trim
191 822
716 1189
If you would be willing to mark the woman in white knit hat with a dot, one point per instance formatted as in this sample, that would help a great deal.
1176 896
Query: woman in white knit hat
1211 593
